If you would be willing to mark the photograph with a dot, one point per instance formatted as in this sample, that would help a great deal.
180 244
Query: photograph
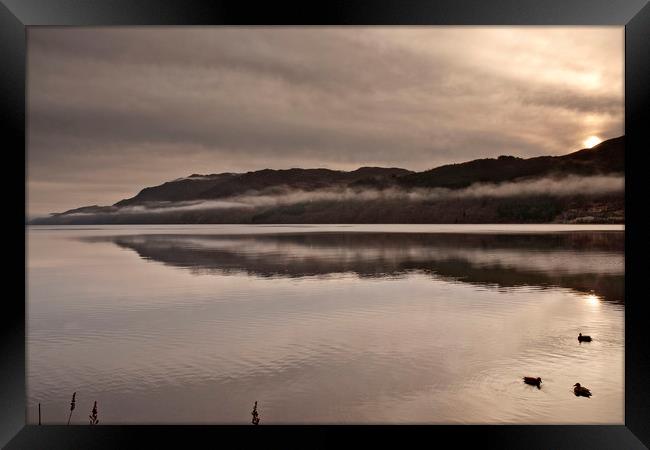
325 225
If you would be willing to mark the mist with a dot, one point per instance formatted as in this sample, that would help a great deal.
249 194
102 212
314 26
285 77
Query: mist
572 185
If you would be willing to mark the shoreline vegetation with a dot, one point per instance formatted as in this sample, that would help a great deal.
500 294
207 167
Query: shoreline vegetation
94 420
93 416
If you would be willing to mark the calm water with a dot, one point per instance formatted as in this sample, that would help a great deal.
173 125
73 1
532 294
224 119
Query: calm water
325 324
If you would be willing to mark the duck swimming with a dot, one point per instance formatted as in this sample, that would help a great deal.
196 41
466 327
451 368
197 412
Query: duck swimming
533 381
581 391
582 338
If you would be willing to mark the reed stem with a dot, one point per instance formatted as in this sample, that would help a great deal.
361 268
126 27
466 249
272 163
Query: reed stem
72 404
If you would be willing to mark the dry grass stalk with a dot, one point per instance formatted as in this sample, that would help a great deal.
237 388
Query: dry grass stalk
72 404
256 416
93 415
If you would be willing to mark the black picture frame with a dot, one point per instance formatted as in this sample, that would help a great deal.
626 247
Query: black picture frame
16 15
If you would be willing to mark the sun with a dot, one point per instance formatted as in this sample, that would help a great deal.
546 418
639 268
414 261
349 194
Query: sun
591 141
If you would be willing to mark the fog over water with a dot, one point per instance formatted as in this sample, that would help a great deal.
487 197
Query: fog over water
565 186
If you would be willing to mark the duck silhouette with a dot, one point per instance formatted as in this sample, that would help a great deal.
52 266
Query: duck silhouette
581 391
533 381
582 338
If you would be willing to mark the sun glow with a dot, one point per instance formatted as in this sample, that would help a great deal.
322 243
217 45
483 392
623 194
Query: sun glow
591 141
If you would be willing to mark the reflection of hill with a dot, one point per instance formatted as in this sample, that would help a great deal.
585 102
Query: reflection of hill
586 261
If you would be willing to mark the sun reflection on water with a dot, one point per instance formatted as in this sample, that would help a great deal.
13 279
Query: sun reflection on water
592 300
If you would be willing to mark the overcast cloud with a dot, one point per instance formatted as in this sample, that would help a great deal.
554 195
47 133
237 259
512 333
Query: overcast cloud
113 110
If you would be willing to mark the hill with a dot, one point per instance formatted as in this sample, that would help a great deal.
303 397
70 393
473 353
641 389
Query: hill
583 186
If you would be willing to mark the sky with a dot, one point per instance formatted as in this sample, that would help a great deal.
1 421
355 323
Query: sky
113 110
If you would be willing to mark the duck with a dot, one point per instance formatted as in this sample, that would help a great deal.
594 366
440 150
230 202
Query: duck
533 381
581 391
582 338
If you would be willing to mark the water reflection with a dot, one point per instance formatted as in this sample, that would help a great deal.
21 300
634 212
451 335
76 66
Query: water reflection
324 326
591 262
